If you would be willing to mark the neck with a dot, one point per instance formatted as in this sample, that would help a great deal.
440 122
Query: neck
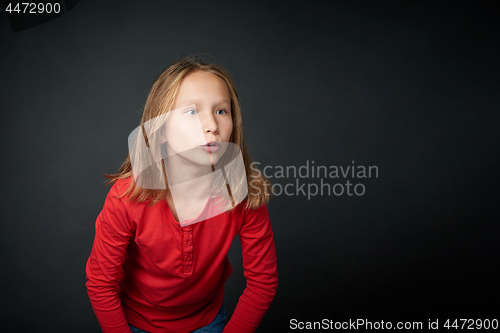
188 180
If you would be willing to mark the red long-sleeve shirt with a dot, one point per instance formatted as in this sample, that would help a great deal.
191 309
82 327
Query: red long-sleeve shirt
147 270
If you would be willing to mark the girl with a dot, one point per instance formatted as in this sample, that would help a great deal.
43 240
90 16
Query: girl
159 259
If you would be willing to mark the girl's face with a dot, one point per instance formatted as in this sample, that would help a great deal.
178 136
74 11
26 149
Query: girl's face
200 121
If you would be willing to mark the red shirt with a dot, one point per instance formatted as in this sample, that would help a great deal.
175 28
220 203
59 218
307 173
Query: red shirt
147 270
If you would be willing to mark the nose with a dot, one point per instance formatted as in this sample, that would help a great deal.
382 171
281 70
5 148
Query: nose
208 123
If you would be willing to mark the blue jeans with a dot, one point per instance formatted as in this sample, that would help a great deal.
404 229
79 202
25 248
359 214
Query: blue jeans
216 326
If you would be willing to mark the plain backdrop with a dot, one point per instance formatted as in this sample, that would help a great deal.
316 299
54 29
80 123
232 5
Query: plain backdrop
410 88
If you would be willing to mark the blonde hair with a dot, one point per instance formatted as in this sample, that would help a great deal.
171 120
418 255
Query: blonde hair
161 98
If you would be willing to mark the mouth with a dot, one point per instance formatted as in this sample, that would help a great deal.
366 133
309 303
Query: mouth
211 146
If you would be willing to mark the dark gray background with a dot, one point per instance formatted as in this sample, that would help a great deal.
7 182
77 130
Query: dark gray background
412 89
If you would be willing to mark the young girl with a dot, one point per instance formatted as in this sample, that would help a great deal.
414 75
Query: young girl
159 259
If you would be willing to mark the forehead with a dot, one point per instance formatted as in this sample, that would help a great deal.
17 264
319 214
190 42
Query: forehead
202 86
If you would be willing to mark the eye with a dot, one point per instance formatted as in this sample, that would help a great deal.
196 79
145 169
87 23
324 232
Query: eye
191 112
222 110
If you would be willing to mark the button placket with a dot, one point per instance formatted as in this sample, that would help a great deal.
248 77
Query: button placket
187 249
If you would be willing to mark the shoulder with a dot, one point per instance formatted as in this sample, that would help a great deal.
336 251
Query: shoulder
252 213
118 196
120 186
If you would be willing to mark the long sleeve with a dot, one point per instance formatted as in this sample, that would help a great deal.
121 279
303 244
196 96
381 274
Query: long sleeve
113 230
260 271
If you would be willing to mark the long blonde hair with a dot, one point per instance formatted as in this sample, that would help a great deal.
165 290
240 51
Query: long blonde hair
160 99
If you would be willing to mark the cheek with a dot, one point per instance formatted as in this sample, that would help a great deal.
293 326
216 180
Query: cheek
227 127
185 132
230 130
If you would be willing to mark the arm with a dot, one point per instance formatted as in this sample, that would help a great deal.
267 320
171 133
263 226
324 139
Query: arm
260 271
113 232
